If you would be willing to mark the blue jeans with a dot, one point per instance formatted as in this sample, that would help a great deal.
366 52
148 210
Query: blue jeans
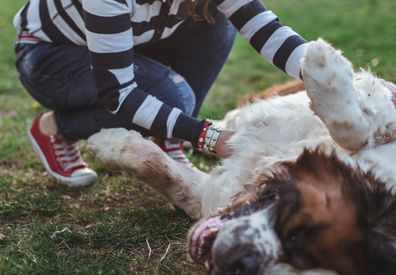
178 70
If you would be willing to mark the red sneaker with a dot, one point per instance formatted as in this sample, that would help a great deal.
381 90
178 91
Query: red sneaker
174 149
61 158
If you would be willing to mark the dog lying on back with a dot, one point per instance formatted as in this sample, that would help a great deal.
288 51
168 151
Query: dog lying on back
310 183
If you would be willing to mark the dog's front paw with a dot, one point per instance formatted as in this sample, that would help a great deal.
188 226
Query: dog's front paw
125 150
326 67
328 77
109 143
120 148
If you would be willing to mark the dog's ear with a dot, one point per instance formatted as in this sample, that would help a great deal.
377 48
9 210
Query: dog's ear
380 238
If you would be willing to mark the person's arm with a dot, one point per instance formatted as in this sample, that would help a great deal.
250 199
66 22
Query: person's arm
110 43
277 43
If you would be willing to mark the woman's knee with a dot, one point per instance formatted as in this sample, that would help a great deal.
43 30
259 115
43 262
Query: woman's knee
184 94
165 84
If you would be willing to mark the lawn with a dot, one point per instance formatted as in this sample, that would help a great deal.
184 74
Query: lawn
118 226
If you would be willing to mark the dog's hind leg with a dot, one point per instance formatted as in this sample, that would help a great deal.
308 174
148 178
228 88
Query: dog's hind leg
143 160
329 77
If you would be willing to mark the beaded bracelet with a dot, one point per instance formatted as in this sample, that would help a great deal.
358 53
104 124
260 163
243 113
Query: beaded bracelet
201 138
209 136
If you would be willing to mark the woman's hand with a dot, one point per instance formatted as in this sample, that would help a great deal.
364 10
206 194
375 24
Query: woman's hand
222 148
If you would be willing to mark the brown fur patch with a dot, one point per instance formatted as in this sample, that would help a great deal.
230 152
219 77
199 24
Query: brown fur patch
326 202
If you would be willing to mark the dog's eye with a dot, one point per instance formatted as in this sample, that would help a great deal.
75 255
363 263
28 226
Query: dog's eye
293 238
296 236
303 233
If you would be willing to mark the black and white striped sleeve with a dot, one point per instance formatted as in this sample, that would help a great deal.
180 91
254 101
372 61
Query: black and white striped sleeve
277 43
110 42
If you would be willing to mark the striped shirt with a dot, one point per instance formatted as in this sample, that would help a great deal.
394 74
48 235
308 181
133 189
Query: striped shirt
111 28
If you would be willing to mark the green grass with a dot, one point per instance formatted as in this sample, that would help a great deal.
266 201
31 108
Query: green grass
108 227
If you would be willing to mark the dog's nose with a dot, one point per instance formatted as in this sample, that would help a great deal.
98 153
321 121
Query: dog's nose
246 264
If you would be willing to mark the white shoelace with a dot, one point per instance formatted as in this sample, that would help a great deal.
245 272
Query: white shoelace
67 154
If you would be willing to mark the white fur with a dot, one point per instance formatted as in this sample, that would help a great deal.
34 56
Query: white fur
351 113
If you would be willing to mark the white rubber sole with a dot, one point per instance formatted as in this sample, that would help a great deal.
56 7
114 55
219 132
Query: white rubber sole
75 181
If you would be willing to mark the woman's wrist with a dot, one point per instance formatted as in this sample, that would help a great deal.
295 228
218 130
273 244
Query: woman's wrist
223 148
202 136
208 137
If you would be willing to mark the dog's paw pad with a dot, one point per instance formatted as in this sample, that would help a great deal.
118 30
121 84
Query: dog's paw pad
316 54
325 69
322 59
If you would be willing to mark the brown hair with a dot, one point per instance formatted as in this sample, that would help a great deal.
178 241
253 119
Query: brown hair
200 10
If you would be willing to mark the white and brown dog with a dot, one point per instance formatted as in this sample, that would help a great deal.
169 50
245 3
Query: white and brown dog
311 180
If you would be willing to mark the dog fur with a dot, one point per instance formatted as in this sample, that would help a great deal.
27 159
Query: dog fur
310 182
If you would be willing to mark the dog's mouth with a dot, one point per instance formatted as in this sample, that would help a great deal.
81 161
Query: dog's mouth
202 237
203 234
